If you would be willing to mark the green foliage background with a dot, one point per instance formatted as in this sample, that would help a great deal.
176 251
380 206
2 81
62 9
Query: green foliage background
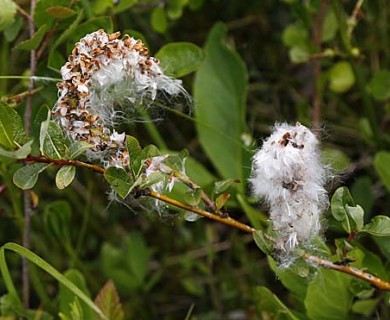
247 64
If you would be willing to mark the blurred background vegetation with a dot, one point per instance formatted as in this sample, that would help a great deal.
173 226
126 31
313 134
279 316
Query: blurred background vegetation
324 63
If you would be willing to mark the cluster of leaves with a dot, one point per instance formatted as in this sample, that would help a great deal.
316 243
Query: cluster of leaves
241 84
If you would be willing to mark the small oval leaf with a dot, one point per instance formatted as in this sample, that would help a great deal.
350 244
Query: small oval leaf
27 176
65 176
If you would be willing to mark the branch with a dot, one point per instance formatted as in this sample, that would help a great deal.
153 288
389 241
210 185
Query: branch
313 260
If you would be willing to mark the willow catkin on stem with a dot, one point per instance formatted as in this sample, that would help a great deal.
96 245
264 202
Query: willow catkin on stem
288 174
104 78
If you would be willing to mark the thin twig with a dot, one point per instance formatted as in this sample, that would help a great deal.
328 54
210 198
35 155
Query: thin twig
317 39
26 194
352 21
314 260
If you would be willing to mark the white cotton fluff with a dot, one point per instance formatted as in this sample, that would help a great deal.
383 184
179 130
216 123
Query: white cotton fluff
288 174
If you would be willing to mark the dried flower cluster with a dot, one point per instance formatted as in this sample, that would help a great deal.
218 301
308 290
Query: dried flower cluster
105 77
288 174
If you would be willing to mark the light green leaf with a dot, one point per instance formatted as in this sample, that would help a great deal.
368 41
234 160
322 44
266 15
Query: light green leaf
222 186
365 307
27 176
35 41
299 54
330 26
380 84
295 35
119 180
133 147
20 153
68 302
262 242
159 20
379 226
341 77
381 164
336 158
220 92
180 58
270 305
53 142
328 296
357 214
11 127
175 8
78 148
7 13
65 176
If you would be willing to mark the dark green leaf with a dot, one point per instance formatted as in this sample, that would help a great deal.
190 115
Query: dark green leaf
90 26
35 41
379 226
220 92
138 255
108 301
65 176
381 164
119 180
27 176
60 12
52 139
363 192
269 305
11 127
57 218
380 84
40 14
262 242
124 5
330 26
328 296
336 158
12 31
180 58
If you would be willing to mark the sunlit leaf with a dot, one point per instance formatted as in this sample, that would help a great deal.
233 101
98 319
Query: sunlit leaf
341 77
27 176
7 13
65 176
379 226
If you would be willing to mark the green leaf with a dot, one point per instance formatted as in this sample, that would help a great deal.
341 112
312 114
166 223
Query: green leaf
47 268
52 139
175 8
108 301
328 296
60 12
78 148
180 58
133 147
381 164
159 20
68 302
27 176
42 7
193 197
336 158
222 186
380 84
20 153
220 92
124 5
221 200
35 41
7 13
65 176
138 256
262 242
345 210
341 77
57 218
11 127
299 54
365 307
379 226
295 35
119 180
269 305
12 31
330 26
362 189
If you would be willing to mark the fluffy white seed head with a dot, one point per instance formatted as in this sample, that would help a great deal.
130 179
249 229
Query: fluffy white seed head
288 174
104 78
